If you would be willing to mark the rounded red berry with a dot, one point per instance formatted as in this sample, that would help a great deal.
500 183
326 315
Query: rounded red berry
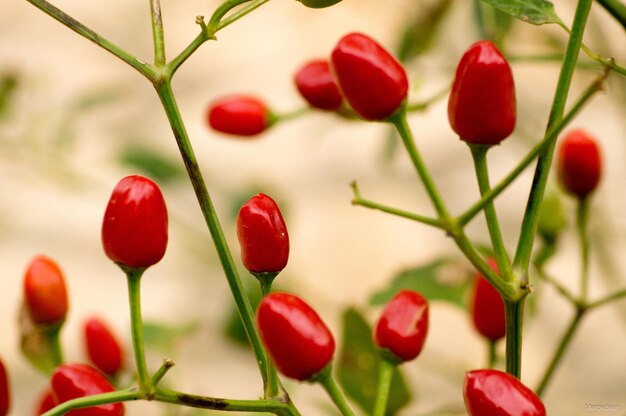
72 381
102 347
487 307
5 397
46 402
403 325
44 291
300 344
134 229
262 235
372 81
239 115
580 163
316 84
495 393
482 108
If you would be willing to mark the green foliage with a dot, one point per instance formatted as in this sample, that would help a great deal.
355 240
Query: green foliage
494 24
536 12
357 366
163 337
233 328
152 163
8 84
419 33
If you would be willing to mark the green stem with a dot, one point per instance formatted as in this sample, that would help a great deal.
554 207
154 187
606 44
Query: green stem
134 295
326 379
514 314
620 294
479 154
54 337
220 12
165 367
273 387
492 356
385 374
423 105
157 32
254 4
531 216
95 400
558 286
617 9
67 20
210 216
581 228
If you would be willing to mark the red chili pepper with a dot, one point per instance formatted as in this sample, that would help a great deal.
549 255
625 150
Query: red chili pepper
239 115
72 381
316 84
44 291
580 163
134 229
262 235
299 343
403 325
46 402
5 396
370 78
102 346
495 393
487 307
481 108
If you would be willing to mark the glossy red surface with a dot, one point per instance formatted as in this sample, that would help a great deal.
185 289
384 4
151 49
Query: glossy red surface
263 236
72 381
403 325
45 293
481 107
46 402
102 346
317 86
487 307
134 228
297 340
5 391
580 163
239 115
495 393
372 81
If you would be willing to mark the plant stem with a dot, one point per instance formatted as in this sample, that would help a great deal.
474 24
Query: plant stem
157 32
54 337
617 9
423 105
254 4
531 216
581 228
514 314
165 367
326 379
620 294
385 374
89 401
492 353
133 277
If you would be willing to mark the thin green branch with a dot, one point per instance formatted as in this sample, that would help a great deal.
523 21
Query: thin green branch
617 9
583 239
563 291
157 32
620 294
385 375
326 379
165 367
95 400
514 316
254 4
425 104
133 277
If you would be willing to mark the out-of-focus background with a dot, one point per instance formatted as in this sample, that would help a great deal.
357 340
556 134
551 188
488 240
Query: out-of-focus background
74 120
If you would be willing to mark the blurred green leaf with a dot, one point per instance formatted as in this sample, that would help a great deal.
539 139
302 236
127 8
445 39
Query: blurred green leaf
8 84
536 12
357 366
163 336
157 166
233 328
36 342
493 23
443 279
419 33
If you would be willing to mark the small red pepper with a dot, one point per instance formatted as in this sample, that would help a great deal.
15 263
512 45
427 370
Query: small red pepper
5 392
262 235
481 108
44 291
316 84
496 393
134 229
239 115
72 381
46 402
403 325
580 163
102 347
487 307
372 81
300 344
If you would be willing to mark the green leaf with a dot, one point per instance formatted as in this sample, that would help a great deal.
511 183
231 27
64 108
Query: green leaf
233 328
443 279
163 337
493 24
536 12
357 366
419 33
151 163
8 85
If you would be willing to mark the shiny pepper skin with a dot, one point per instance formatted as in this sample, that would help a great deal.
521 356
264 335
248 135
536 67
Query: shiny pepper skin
580 163
487 307
102 346
262 235
134 229
46 402
372 81
318 4
403 325
239 115
5 398
300 344
495 393
45 293
316 85
72 381
482 108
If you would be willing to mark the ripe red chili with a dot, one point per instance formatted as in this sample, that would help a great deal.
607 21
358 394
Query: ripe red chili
481 108
5 397
239 115
370 78
44 291
46 402
487 307
580 164
403 325
495 393
102 347
316 84
72 381
262 235
134 229
299 343
318 4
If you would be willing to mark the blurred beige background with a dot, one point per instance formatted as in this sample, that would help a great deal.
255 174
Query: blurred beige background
58 164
